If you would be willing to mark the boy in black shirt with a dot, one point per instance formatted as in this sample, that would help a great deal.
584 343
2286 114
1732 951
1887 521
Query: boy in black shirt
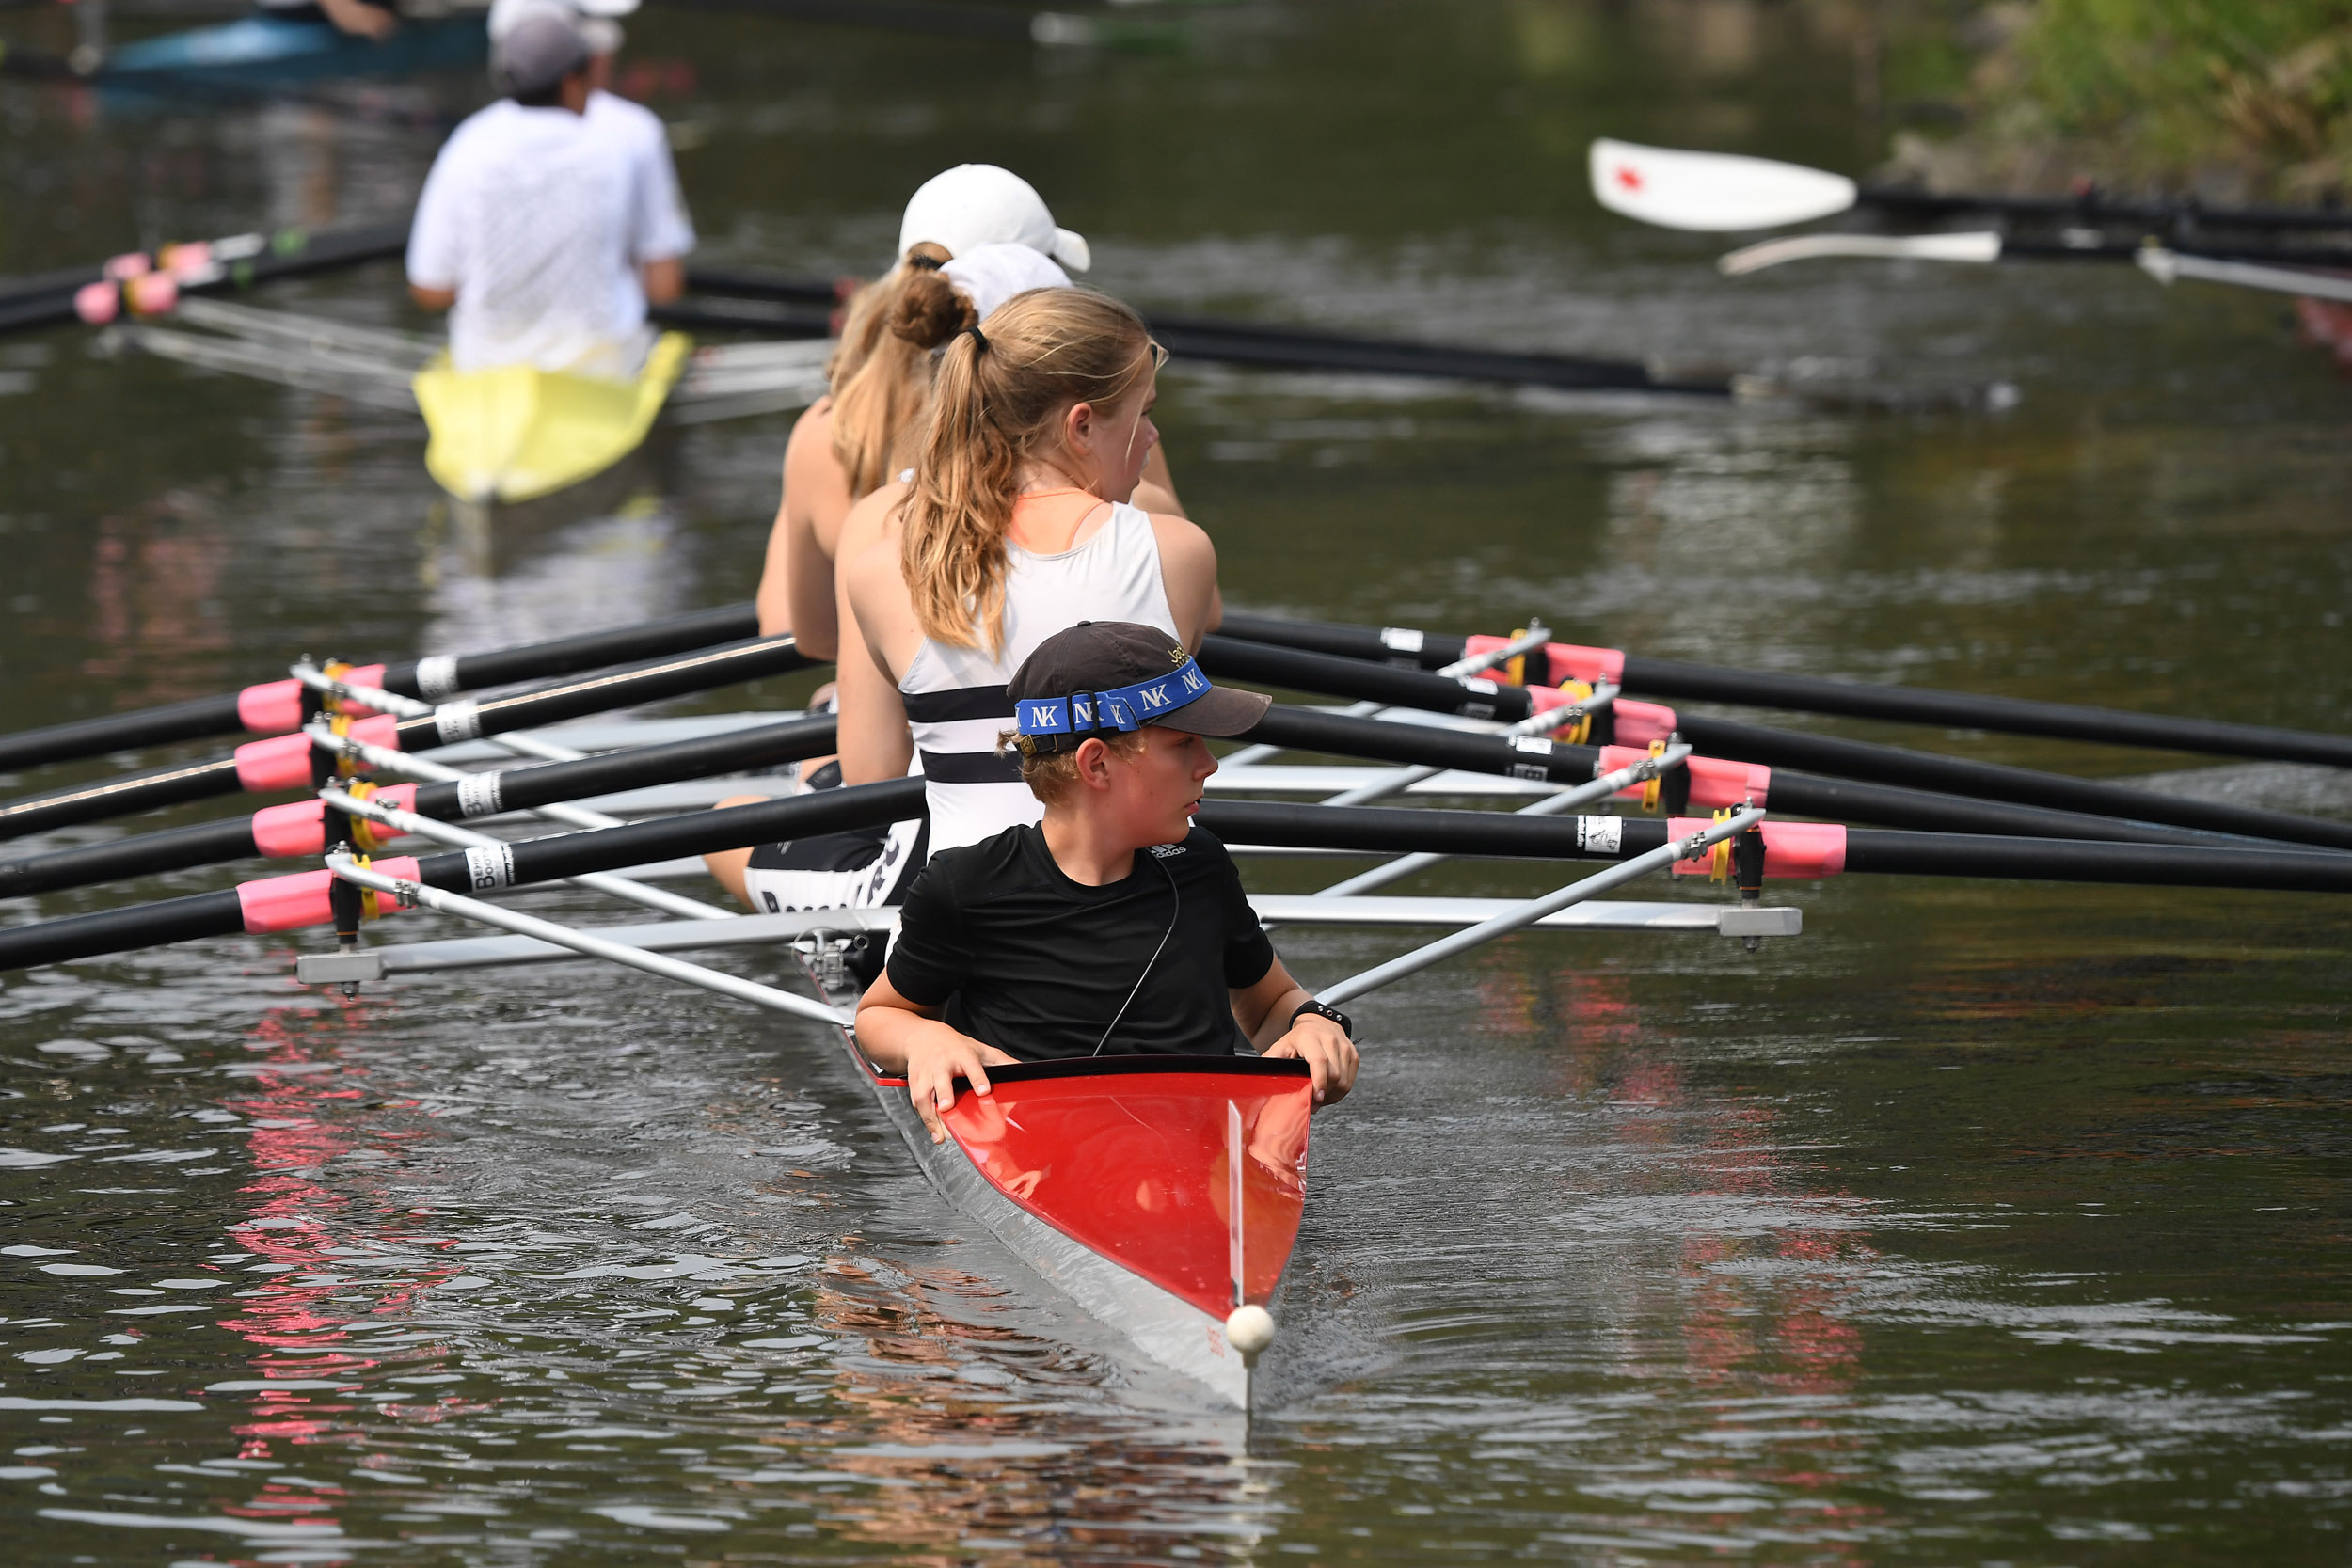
1114 928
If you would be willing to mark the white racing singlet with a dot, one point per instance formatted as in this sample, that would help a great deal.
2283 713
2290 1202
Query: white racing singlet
955 697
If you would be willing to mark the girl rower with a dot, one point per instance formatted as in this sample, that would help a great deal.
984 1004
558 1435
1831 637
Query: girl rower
1018 525
857 439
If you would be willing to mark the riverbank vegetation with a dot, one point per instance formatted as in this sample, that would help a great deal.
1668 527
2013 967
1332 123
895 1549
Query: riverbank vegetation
2236 100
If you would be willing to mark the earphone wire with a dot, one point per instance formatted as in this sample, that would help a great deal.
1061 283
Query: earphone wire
1176 909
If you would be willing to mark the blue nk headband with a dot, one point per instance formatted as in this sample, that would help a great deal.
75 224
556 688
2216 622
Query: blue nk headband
1129 707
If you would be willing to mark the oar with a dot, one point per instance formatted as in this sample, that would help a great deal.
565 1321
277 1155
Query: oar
1902 704
299 828
1721 192
629 890
292 762
1793 850
2049 798
95 293
1702 782
979 23
1633 776
276 708
2269 268
1688 848
293 902
407 891
1266 346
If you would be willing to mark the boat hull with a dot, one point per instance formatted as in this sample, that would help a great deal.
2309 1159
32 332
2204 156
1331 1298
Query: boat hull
514 434
1113 1178
257 52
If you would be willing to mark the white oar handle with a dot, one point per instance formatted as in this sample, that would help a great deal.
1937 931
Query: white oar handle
1977 247
2164 265
412 892
1528 913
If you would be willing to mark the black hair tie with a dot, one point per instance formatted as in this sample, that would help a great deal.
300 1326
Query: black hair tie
979 343
925 263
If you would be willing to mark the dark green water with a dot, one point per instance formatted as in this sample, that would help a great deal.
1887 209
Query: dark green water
1981 1223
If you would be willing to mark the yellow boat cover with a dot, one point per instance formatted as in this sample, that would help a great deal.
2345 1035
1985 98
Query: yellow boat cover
517 433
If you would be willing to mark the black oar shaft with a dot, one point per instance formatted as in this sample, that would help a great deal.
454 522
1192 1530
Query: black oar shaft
1907 704
1855 759
2063 861
270 906
204 717
1838 799
1235 658
478 794
1666 677
124 931
143 855
118 796
1376 830
2185 214
197 719
453 723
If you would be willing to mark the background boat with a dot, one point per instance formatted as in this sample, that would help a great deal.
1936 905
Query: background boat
261 51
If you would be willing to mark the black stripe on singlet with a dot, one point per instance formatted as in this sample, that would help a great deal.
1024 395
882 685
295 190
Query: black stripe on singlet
962 767
966 702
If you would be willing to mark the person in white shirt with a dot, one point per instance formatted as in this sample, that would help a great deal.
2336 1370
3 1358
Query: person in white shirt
636 127
545 233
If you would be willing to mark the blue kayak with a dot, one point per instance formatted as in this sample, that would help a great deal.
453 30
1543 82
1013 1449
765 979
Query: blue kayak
263 51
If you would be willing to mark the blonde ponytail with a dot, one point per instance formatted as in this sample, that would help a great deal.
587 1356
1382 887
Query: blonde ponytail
997 400
880 378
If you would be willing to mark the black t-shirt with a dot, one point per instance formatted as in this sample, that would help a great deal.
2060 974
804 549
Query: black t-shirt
1025 959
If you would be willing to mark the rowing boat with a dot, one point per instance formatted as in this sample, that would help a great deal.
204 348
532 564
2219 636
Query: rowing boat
258 52
517 433
1162 1193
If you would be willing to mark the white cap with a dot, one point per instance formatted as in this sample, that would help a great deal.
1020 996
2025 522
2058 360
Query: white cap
989 275
976 204
590 19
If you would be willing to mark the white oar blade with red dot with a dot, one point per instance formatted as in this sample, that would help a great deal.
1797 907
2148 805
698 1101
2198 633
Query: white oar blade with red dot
1712 192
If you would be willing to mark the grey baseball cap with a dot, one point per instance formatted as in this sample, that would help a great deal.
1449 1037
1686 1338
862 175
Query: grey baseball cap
539 52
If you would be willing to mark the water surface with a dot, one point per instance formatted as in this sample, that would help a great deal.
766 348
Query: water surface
1984 1223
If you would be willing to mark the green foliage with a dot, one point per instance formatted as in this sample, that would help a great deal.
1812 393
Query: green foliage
2179 86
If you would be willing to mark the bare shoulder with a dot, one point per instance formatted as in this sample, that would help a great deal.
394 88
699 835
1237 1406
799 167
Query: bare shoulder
871 573
872 519
811 440
1183 542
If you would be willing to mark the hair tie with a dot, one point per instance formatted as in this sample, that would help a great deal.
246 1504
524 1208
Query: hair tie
979 343
925 263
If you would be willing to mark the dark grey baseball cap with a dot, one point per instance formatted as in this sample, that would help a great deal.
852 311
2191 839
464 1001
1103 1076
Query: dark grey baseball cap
538 53
1104 676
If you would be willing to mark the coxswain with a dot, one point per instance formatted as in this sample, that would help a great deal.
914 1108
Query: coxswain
541 232
1110 927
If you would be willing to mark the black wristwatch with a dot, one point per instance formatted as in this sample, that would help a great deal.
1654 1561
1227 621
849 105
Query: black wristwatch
1312 1005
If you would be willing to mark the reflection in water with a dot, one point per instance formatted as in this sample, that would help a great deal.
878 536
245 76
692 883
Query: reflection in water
156 605
495 579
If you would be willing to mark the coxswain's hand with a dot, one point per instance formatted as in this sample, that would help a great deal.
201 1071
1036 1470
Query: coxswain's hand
1330 1055
935 1063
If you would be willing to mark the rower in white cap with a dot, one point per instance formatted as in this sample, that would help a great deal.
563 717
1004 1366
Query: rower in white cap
549 221
855 441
